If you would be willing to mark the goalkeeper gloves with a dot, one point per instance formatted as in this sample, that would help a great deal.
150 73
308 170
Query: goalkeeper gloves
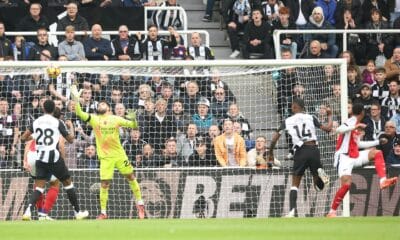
131 115
75 94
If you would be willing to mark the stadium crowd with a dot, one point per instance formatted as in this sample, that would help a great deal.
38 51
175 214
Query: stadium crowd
193 121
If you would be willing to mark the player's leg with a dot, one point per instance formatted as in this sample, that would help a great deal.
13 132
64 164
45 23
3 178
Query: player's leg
37 193
345 166
42 172
345 183
126 169
380 168
31 157
106 175
51 196
60 171
299 167
320 178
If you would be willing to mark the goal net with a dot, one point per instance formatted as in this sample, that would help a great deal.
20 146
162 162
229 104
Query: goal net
181 107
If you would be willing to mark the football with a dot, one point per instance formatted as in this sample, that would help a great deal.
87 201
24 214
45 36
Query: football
53 71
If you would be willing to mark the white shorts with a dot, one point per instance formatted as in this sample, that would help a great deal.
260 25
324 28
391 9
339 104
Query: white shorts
32 157
345 164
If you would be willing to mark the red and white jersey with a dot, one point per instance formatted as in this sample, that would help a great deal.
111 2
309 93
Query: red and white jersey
347 142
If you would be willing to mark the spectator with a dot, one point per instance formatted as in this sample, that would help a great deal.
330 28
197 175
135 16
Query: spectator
170 157
34 86
356 43
380 89
230 148
167 93
217 82
365 98
353 83
219 104
70 48
42 43
6 51
120 110
368 5
156 82
166 18
394 155
153 47
198 50
126 47
129 84
236 116
33 21
300 11
212 133
270 10
315 51
97 47
203 119
239 15
209 11
375 123
89 158
191 97
201 156
390 137
333 102
368 75
181 118
9 134
257 157
350 59
257 37
392 65
287 41
102 87
354 6
391 103
73 19
329 8
20 49
134 146
186 143
148 158
378 43
327 41
145 94
159 126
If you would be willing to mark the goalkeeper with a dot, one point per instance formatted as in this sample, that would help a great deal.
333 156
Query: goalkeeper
109 149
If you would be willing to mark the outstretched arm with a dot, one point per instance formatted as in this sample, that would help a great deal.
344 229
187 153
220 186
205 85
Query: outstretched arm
328 126
75 97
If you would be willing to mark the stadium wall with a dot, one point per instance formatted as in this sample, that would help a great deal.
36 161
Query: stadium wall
201 193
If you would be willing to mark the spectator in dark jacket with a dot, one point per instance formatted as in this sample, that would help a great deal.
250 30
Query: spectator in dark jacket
126 47
33 21
257 37
96 47
6 50
74 19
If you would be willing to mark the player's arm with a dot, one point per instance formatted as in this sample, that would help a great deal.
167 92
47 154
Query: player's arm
328 126
75 94
27 135
67 134
26 165
275 137
344 127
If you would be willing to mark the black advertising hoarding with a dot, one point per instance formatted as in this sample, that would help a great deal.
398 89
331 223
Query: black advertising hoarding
203 193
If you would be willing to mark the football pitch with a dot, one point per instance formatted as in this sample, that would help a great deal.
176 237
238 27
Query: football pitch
363 228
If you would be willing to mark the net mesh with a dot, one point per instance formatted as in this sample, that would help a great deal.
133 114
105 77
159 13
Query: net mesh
177 180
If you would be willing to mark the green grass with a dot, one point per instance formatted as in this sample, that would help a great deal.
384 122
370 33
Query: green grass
363 228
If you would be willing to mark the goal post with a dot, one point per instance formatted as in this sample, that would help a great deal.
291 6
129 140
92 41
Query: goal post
174 187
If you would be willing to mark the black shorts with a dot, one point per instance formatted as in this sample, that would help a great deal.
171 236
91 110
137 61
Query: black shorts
58 169
307 156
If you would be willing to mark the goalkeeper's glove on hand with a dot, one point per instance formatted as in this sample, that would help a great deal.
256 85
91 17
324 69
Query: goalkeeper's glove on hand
75 94
131 115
